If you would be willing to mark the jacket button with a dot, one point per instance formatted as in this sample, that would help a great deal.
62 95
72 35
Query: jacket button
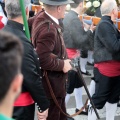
40 67
38 58
40 77
39 109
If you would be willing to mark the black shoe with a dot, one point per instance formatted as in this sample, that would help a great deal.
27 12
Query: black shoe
86 73
91 64
82 113
70 118
118 104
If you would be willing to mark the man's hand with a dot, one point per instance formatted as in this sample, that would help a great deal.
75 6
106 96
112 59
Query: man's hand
43 115
86 26
92 27
67 66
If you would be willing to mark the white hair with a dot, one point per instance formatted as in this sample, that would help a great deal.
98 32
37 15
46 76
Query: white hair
13 8
107 6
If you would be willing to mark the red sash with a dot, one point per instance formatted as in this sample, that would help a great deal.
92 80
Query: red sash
109 68
24 99
72 53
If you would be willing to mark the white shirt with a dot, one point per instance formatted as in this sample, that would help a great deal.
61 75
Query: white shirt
53 18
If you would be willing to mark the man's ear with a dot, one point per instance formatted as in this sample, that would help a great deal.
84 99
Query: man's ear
17 83
113 12
58 9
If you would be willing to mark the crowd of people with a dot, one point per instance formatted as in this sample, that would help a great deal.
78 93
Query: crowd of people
39 72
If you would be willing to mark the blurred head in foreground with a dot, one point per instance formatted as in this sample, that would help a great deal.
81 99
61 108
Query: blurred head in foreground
11 51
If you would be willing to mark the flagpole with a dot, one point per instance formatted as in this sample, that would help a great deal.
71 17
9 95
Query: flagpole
25 19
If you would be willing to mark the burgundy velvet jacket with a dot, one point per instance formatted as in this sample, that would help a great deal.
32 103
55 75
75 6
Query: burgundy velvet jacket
49 44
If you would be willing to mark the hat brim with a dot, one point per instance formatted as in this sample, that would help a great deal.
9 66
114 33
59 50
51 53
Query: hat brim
48 2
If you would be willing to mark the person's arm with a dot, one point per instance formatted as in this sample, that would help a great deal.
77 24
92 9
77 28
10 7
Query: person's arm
79 35
33 80
107 36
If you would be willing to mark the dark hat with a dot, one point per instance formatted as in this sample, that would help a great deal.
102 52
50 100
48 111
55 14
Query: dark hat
56 2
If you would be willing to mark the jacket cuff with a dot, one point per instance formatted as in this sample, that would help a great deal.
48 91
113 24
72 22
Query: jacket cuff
45 105
60 65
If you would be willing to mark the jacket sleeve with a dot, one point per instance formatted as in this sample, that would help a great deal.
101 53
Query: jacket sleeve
30 21
108 37
79 35
32 80
45 49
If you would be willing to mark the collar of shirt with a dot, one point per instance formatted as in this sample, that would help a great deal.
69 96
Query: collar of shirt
16 25
53 18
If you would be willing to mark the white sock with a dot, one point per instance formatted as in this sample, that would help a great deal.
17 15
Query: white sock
110 110
90 56
91 114
67 98
83 62
92 88
78 97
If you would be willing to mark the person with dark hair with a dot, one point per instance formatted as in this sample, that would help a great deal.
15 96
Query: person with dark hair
11 51
47 39
32 88
76 38
75 33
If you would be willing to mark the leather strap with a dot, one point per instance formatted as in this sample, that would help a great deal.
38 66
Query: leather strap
56 102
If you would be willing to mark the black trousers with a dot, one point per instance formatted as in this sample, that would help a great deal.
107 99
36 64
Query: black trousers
73 81
24 113
107 89
83 53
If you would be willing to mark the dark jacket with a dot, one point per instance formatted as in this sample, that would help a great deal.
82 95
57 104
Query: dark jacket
106 41
51 50
32 82
98 12
74 33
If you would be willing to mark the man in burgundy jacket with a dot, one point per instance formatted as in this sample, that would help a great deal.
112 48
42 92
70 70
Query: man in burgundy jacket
48 41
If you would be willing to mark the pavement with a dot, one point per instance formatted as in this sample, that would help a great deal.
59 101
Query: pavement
72 105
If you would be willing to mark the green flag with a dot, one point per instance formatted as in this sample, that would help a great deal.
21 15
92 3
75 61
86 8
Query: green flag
25 19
